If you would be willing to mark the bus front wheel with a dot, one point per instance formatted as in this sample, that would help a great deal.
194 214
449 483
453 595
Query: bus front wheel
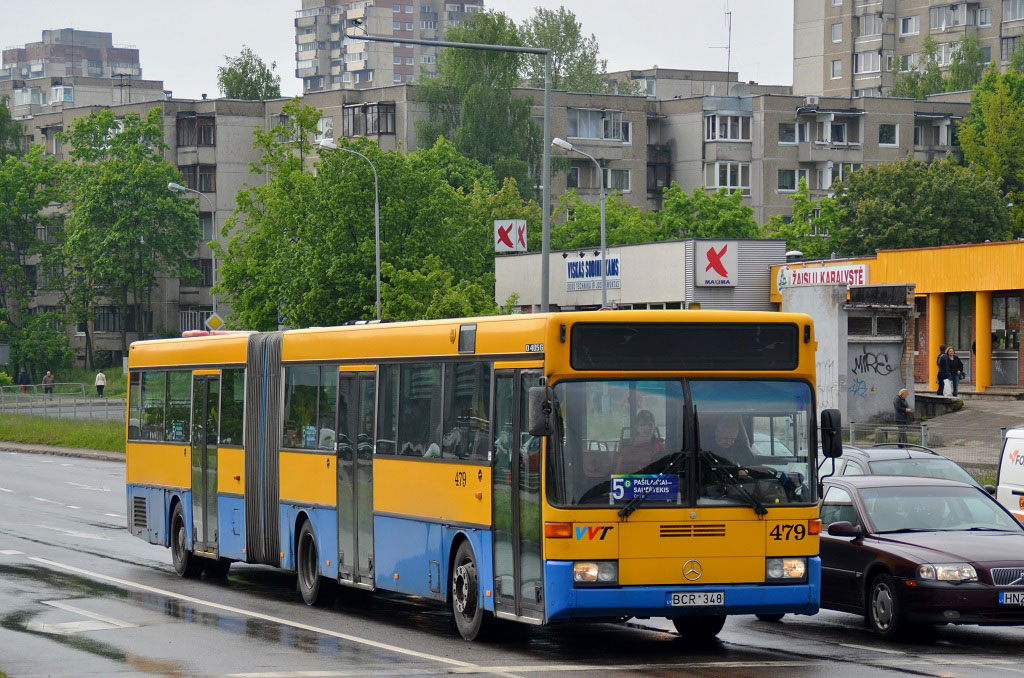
315 589
699 627
470 618
185 563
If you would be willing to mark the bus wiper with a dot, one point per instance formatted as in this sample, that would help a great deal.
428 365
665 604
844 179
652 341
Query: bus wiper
638 499
727 477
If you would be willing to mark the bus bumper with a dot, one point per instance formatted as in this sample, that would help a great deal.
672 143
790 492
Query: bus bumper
564 601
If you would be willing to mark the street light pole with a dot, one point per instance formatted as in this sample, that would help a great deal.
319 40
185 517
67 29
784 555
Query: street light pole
565 145
178 188
545 265
328 144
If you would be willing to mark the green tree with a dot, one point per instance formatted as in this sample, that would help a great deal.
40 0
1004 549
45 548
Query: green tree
912 204
471 101
575 62
11 131
810 225
966 67
578 223
247 76
125 229
39 344
433 292
701 214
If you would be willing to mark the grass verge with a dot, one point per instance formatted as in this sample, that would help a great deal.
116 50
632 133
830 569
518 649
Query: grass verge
93 435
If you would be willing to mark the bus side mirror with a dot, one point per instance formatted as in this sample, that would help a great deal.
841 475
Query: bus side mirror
831 433
541 407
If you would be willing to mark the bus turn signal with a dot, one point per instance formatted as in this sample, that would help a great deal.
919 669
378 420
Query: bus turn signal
814 526
558 530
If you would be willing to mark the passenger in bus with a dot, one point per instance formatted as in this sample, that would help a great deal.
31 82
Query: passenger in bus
643 446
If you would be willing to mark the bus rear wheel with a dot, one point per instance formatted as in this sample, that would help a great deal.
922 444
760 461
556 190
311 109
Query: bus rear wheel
470 619
315 589
699 627
186 564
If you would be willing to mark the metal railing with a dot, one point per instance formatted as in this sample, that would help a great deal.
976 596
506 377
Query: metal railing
67 401
968 446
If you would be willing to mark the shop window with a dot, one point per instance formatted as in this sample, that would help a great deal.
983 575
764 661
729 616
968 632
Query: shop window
959 320
1005 322
859 325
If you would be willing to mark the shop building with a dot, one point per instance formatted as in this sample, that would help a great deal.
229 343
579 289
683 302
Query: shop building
966 296
693 273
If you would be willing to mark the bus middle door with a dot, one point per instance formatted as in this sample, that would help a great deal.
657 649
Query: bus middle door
205 430
355 426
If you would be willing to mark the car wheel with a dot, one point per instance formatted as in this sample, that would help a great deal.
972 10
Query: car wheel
186 564
770 617
884 609
470 619
315 589
700 627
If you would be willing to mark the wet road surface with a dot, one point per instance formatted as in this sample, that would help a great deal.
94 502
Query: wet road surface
80 597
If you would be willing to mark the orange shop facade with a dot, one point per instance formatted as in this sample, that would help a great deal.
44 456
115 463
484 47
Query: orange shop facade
966 296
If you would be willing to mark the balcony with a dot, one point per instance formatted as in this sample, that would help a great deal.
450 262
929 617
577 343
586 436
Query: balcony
819 151
305 39
863 7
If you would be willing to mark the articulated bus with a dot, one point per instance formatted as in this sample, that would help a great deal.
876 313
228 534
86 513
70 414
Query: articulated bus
539 468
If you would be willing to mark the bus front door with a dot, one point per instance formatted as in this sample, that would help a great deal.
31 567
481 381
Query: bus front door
518 566
355 426
205 419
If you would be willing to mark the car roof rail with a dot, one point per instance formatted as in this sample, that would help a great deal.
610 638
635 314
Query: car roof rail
907 446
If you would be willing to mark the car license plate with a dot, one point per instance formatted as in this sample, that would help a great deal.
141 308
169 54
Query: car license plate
697 599
1011 598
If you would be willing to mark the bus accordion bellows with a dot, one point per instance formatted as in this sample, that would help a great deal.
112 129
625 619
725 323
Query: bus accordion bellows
536 467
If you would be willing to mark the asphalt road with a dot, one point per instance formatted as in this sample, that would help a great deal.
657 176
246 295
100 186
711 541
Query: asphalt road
80 597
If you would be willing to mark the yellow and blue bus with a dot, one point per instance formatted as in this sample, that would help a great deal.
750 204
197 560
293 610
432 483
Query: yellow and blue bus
535 468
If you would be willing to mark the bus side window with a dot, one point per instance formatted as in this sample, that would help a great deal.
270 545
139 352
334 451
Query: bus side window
419 410
232 396
154 388
179 402
466 407
134 405
387 418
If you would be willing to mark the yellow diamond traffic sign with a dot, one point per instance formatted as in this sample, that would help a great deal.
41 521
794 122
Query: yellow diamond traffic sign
214 322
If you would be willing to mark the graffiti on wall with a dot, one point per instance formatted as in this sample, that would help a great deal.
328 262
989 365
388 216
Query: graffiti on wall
871 362
858 387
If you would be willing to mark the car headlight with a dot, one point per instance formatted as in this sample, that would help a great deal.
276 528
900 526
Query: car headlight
596 572
948 572
785 568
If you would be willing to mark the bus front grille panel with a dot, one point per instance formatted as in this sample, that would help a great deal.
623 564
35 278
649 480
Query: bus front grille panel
263 393
693 530
139 519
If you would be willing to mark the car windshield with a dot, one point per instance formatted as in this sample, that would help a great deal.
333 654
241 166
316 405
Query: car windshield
937 467
934 508
618 438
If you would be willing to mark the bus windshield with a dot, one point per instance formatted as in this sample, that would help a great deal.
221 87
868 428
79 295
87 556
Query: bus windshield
620 438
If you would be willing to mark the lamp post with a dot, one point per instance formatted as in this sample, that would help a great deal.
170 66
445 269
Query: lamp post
329 145
545 264
565 145
178 188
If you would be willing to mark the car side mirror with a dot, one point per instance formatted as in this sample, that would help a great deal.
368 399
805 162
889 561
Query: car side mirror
831 433
991 489
844 528
541 408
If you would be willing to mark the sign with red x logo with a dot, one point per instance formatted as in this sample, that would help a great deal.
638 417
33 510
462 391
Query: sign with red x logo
510 235
716 263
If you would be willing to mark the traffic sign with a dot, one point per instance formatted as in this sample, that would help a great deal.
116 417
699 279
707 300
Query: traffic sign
214 322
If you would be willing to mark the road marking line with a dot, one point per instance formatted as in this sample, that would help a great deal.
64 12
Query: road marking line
61 605
12 552
256 615
48 501
87 487
73 533
66 464
113 515
68 628
72 507
873 649
4 489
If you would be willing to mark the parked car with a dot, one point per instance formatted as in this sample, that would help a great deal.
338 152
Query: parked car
895 459
1010 481
907 552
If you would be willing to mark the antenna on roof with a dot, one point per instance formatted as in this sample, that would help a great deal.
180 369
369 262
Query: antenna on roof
728 44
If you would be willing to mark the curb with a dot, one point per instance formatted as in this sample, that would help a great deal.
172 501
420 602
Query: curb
83 453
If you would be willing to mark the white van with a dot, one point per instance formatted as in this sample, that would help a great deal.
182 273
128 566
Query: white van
1010 488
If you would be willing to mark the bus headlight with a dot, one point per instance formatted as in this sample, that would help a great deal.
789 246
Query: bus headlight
782 569
948 572
595 572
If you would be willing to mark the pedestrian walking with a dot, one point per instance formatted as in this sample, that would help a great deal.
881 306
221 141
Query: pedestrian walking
101 381
23 380
938 362
903 411
48 383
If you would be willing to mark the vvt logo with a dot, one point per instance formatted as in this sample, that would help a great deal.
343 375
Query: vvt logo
592 531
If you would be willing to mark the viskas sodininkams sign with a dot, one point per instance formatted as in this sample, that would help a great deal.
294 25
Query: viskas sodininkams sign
584 273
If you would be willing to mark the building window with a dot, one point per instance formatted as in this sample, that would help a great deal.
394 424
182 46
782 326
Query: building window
428 59
838 132
837 69
837 32
572 177
398 61
726 127
959 320
397 78
910 25
869 25
983 16
944 53
196 131
368 119
616 179
986 54
396 9
947 16
909 62
429 25
206 226
734 176
1005 322
592 124
409 61
396 25
867 62
205 268
408 26
408 9
62 93
1008 46
841 170
792 132
202 178
324 129
789 179
888 134
837 3
1013 10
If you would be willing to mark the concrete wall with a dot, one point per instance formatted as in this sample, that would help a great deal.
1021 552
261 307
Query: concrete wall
875 375
824 303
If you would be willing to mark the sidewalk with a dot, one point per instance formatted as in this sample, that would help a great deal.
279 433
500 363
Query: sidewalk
971 436
61 451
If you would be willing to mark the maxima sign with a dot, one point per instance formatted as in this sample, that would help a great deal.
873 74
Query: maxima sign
510 235
585 274
856 274
716 264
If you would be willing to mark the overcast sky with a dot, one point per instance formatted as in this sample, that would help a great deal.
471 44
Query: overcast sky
183 42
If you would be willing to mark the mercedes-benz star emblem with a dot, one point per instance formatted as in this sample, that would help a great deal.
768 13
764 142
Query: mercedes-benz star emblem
692 570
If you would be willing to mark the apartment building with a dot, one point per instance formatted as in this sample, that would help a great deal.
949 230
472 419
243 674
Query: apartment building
69 51
846 48
327 59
